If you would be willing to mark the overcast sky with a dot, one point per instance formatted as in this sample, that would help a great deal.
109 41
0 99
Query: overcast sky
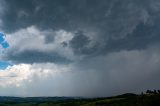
84 48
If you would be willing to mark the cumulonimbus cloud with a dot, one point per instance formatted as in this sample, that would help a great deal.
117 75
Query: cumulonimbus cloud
107 47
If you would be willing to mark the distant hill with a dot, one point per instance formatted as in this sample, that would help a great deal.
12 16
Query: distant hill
128 99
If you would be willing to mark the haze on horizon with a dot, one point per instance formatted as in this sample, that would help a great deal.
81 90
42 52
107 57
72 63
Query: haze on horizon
88 48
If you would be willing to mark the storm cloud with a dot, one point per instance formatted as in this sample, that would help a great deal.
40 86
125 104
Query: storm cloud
107 26
98 48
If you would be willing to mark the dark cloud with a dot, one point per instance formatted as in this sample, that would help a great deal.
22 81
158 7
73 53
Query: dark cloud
142 37
119 25
32 56
70 14
79 43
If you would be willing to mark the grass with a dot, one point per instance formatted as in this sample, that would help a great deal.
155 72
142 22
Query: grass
102 101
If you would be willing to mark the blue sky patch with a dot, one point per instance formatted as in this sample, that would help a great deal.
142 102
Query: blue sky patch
3 43
4 64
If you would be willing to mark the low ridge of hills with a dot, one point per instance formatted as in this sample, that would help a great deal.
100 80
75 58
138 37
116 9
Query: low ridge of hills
150 98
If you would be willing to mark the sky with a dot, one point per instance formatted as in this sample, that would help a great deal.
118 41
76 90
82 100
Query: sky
88 48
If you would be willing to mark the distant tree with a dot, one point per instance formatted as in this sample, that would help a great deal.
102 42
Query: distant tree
149 92
158 91
155 91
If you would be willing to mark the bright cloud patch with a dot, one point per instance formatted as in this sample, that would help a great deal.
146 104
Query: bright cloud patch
31 45
17 74
24 77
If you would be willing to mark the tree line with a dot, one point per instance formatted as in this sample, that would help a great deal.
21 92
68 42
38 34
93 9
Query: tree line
153 92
